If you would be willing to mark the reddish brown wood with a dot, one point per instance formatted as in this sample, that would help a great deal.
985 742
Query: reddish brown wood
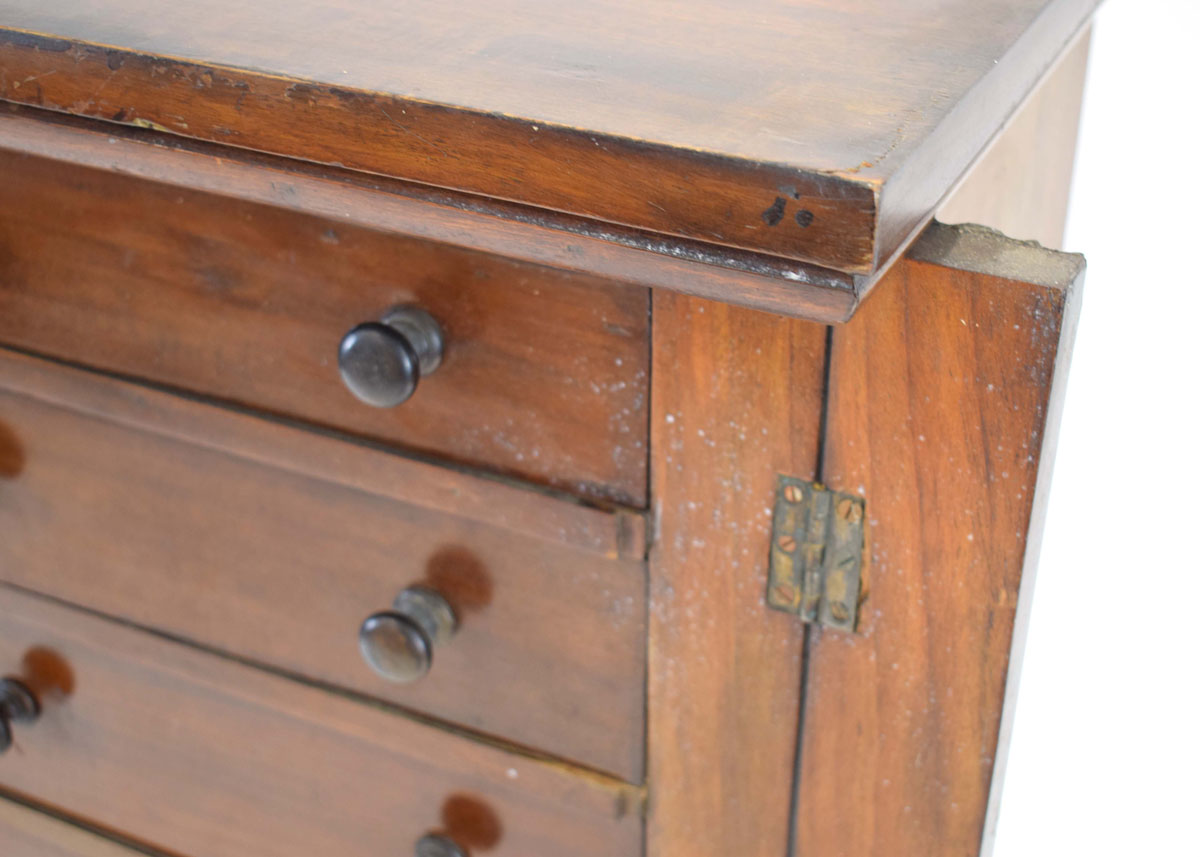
25 832
545 374
943 408
691 119
736 400
635 182
507 505
515 231
199 755
738 154
216 528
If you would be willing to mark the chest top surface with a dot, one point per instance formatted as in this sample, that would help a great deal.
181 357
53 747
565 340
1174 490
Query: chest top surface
808 130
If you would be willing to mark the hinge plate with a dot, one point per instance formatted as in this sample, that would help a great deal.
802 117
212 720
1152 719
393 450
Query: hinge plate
816 553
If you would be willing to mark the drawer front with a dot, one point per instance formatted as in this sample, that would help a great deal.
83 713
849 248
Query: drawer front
197 755
544 376
275 544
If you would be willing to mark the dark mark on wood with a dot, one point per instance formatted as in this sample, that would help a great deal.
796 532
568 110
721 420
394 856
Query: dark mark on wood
804 217
774 214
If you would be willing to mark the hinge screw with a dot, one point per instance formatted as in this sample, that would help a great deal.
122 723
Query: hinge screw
839 611
793 494
786 543
850 511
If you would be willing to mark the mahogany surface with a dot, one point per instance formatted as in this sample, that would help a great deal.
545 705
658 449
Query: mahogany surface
29 833
816 131
513 231
736 400
638 223
109 507
944 402
942 406
197 755
545 374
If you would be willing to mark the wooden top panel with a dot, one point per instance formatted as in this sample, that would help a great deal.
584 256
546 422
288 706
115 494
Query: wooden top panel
715 121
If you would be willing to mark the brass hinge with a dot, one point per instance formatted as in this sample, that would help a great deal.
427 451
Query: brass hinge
816 553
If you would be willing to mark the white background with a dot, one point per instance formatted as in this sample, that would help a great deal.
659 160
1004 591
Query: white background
1105 758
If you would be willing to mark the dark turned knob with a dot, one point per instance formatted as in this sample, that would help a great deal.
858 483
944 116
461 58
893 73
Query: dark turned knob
18 704
382 361
436 845
398 643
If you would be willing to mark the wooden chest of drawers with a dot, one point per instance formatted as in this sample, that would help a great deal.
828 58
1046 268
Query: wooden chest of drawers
465 431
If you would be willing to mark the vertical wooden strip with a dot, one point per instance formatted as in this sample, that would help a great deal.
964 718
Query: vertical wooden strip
942 413
736 399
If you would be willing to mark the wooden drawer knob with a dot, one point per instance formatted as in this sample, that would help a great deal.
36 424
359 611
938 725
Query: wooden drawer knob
382 361
436 845
398 643
18 704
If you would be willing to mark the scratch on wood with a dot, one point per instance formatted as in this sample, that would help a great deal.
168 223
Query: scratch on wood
154 126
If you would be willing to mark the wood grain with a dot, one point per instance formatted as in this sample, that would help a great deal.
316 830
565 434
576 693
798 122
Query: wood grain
107 506
736 400
1022 184
943 409
545 372
201 756
25 832
686 119
614 533
563 241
